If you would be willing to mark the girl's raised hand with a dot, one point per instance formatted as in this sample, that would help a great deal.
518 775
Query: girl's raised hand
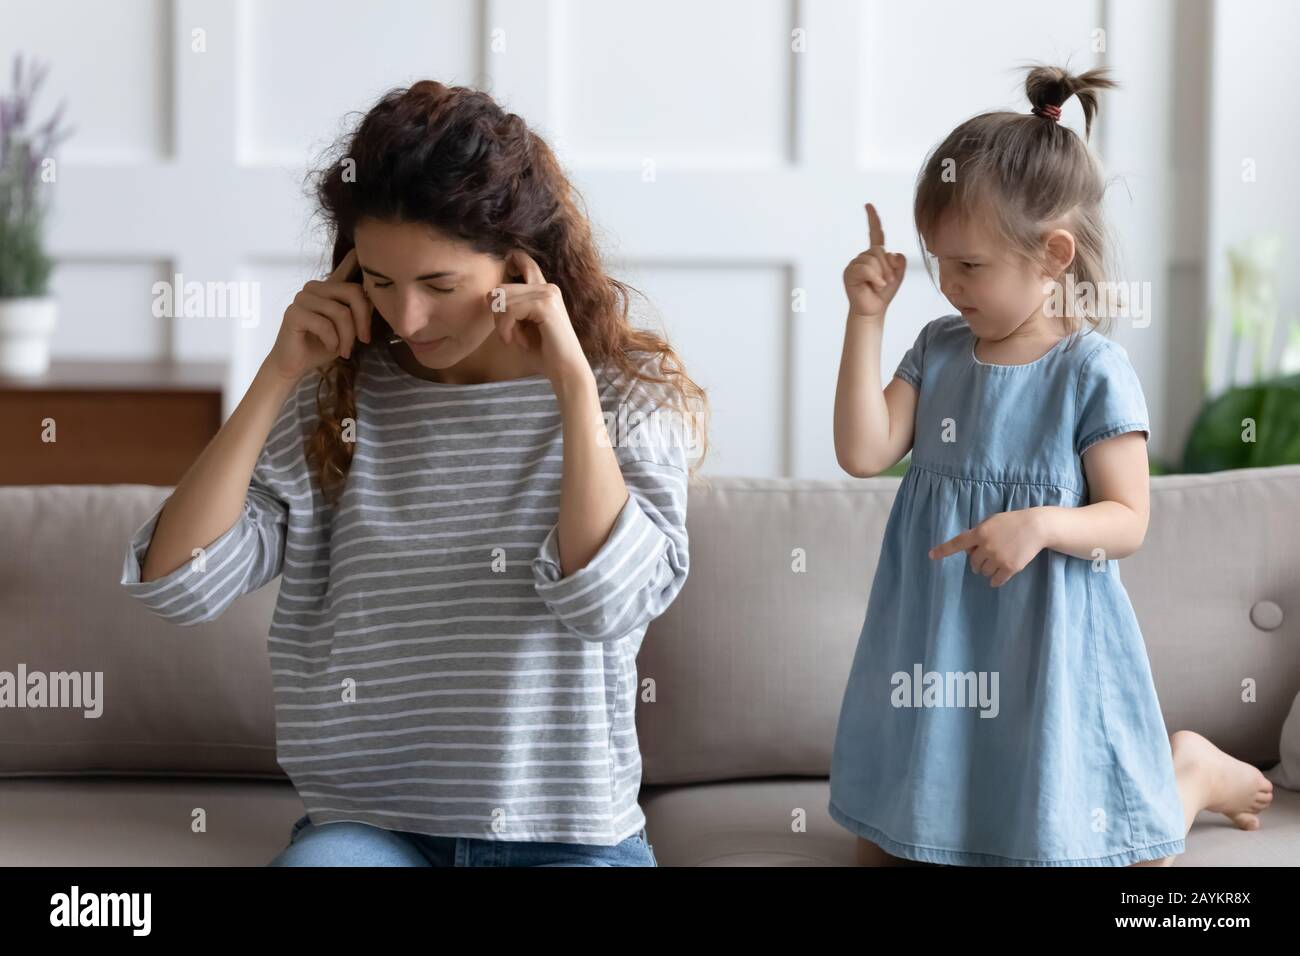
872 279
531 316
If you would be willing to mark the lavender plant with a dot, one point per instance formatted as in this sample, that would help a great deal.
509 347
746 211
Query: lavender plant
24 150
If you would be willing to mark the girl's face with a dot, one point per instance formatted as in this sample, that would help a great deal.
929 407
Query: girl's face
995 289
433 291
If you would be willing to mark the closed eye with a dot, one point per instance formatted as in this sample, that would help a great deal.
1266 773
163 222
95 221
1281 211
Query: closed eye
385 285
971 265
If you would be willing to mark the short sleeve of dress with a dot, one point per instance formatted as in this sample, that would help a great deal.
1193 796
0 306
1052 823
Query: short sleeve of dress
913 362
1110 400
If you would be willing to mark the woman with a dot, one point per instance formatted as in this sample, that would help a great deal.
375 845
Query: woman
456 454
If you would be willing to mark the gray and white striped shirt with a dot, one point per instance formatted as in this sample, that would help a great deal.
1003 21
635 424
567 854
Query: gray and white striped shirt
433 670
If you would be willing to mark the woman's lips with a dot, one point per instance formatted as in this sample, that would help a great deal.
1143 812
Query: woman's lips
424 346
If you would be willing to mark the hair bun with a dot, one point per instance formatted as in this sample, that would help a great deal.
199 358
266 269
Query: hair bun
1048 87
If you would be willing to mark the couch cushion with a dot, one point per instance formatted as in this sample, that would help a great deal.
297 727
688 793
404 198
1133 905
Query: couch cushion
137 821
142 821
748 823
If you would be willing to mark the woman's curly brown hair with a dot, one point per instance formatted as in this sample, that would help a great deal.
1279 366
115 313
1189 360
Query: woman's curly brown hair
451 157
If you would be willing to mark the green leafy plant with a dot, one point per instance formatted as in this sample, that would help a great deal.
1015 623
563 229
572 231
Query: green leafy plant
1255 424
1252 426
24 265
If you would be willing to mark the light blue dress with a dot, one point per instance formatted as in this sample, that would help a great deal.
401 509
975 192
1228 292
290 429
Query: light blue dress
1038 739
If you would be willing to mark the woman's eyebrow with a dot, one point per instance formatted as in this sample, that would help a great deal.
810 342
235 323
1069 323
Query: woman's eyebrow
427 275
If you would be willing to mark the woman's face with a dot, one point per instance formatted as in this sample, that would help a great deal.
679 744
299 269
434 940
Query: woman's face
433 291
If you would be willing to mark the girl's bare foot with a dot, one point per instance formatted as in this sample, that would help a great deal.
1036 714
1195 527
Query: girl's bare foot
1230 786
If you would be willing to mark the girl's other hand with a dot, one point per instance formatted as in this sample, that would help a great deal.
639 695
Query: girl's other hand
872 279
1001 545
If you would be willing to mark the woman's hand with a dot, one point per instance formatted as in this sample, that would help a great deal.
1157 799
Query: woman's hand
530 315
1001 545
323 321
872 279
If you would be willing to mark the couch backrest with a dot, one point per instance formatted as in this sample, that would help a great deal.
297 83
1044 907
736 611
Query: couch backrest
748 665
750 662
175 699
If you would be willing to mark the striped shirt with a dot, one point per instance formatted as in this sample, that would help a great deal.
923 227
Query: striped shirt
433 670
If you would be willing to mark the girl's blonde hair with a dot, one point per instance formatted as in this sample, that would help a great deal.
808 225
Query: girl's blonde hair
1016 173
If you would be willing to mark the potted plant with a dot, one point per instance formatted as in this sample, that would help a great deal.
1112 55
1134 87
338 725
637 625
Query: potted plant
1255 424
28 313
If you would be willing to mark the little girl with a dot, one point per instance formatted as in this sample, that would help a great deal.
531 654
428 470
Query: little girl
1000 708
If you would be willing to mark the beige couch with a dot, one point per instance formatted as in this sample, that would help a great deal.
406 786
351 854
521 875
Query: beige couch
748 667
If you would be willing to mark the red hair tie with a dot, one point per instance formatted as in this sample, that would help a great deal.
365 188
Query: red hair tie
1053 111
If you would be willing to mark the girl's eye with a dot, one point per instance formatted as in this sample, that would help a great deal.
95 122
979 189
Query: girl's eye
381 285
970 265
437 289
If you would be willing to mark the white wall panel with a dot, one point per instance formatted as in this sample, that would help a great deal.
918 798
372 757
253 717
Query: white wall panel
926 66
106 309
113 64
277 281
306 63
679 82
730 324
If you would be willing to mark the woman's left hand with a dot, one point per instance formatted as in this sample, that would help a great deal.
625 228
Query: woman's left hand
530 315
1001 545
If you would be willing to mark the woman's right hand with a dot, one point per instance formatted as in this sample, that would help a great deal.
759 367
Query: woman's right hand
872 279
322 322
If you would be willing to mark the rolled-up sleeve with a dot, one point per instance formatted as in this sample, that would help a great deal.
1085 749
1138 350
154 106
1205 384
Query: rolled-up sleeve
243 559
248 555
639 569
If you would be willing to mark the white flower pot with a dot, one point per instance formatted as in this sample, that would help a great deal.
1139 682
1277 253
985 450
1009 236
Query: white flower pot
26 330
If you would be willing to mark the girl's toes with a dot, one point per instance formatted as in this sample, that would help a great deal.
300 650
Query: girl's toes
1244 821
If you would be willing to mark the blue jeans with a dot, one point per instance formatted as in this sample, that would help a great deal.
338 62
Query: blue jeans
349 843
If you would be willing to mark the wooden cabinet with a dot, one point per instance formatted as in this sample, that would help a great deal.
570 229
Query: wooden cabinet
113 422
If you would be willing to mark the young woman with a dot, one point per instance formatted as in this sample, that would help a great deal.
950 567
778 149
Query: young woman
471 470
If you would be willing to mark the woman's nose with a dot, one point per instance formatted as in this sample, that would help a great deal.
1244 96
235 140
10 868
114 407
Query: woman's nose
410 316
